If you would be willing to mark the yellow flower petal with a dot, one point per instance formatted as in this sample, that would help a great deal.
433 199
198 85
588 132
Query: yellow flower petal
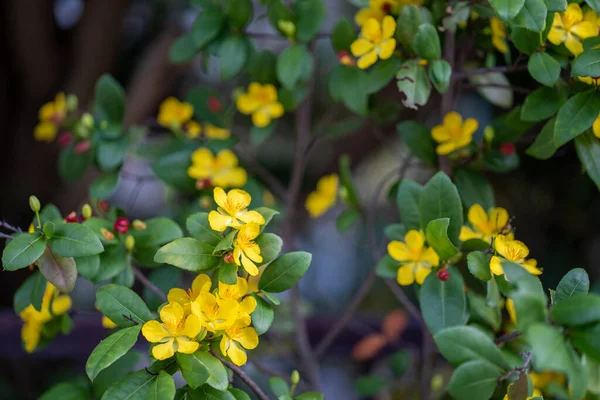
226 158
220 197
171 314
191 328
430 257
440 134
186 346
573 44
388 27
248 338
201 283
414 240
585 29
219 222
496 266
361 46
445 148
30 333
252 216
387 48
164 350
154 331
572 15
363 15
453 120
261 119
367 60
399 251
247 306
467 233
512 313
421 273
45 132
248 265
596 127
498 218
478 217
470 126
247 104
406 275
371 30
531 266
236 354
275 110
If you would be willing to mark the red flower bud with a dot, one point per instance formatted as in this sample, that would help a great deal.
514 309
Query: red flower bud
507 149
228 258
386 7
64 139
82 147
121 225
203 183
214 104
72 217
443 274
103 205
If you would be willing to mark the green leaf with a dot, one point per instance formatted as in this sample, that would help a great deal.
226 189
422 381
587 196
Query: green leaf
426 42
110 154
200 368
440 72
309 396
557 5
443 304
277 11
113 261
400 362
199 227
239 12
278 386
49 213
579 309
284 272
207 26
239 394
109 100
382 73
262 316
104 186
189 254
587 63
495 88
134 386
544 68
74 240
479 265
172 170
474 188
233 54
122 305
407 200
419 140
111 349
270 246
525 41
71 165
346 181
60 271
387 267
271 297
440 199
163 387
474 380
262 67
23 251
437 237
408 24
30 292
290 65
310 14
481 311
543 103
349 85
208 393
370 385
543 147
260 134
413 84
200 97
577 115
116 371
228 273
588 150
346 219
343 35
66 391
532 15
587 340
507 9
461 344
158 231
529 297
395 231
576 281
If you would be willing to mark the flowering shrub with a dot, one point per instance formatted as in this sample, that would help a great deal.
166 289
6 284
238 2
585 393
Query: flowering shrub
480 304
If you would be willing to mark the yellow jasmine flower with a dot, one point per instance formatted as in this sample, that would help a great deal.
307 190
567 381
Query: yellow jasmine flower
261 102
221 170
376 41
245 251
108 323
485 226
498 35
322 199
176 333
570 27
173 113
214 132
214 313
192 129
416 259
453 134
53 304
514 251
237 338
232 210
201 283
238 292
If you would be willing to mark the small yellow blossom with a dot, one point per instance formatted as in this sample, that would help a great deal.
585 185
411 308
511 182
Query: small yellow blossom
214 132
322 199
173 113
236 338
232 210
376 42
108 323
53 304
543 379
222 170
245 250
485 226
416 259
514 251
498 35
261 102
570 28
51 116
192 129
213 312
238 292
453 134
176 333
201 284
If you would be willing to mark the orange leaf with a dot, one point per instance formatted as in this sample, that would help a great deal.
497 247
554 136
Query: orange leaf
394 324
369 346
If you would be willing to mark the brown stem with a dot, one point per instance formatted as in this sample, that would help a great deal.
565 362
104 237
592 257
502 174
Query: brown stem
146 282
244 377
508 337
520 370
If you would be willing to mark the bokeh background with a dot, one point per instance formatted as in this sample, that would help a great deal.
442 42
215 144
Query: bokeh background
65 45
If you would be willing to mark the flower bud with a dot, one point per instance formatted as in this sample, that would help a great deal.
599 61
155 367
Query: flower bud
228 258
288 28
72 102
295 377
103 206
71 218
122 225
87 120
203 183
139 225
214 104
34 204
343 193
489 133
443 274
82 147
129 243
507 149
86 211
48 229
108 235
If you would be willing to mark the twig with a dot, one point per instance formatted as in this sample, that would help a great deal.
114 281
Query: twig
405 301
146 282
6 225
5 236
520 370
484 71
508 337
516 89
244 377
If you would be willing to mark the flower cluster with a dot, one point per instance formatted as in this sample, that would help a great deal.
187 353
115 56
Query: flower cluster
261 102
416 259
53 115
178 117
201 314
220 170
454 133
498 32
324 197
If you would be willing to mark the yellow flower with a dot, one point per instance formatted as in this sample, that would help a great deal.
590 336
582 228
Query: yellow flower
53 304
510 309
570 27
322 199
221 170
214 313
233 210
201 283
51 116
377 10
514 251
45 132
238 292
108 323
376 41
415 258
543 379
592 17
536 392
173 114
214 132
261 102
192 129
498 35
176 333
245 251
485 226
237 338
453 134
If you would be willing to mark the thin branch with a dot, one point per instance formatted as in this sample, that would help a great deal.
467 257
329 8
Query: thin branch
485 71
405 301
8 226
516 89
244 377
146 282
508 337
6 236
520 370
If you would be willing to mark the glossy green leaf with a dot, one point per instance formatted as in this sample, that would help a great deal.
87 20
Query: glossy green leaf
440 199
346 181
134 386
382 73
158 231
525 41
576 281
440 72
233 54
310 14
443 304
579 309
206 392
238 12
262 67
507 9
114 373
347 219
201 367
104 186
437 237
413 84
278 386
23 251
109 100
426 42
543 146
528 295
172 170
74 240
111 349
309 396
479 265
407 200
532 15
30 292
408 24
199 227
122 305
207 26
163 387
189 254
419 140
577 115
260 134
113 261
395 231
349 85
66 391
284 272
588 150
270 246
474 380
587 340
543 103
111 153
59 271
262 316
71 165
495 88
370 385
343 35
291 65
544 68
587 63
